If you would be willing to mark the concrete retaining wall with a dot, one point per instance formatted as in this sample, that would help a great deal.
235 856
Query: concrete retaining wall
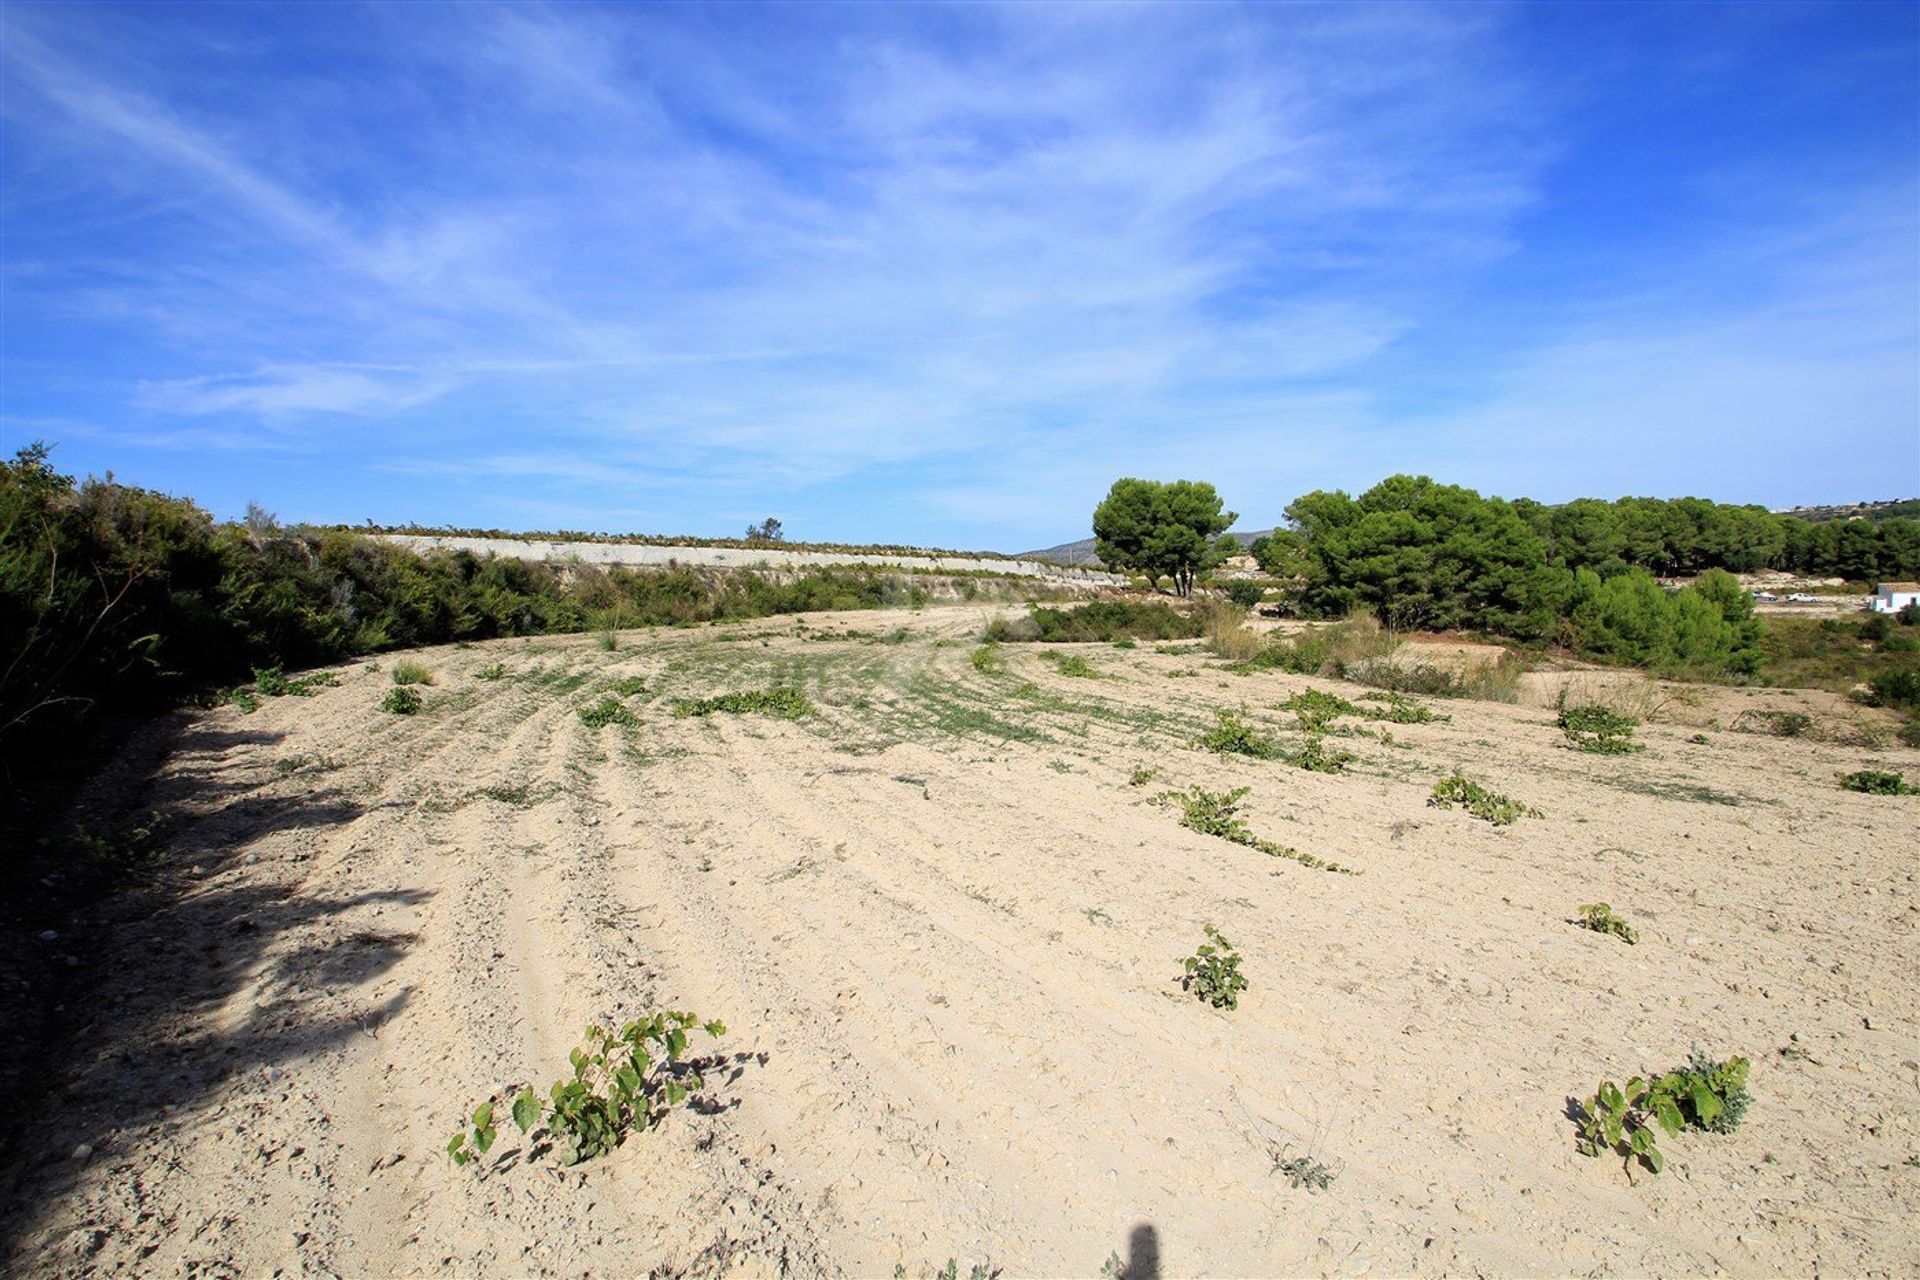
642 555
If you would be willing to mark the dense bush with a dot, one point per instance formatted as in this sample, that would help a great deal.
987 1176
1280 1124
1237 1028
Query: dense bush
118 597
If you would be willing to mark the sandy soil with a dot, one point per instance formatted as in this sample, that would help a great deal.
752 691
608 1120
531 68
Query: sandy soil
944 931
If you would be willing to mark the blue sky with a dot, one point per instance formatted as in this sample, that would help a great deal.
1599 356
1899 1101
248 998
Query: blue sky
939 275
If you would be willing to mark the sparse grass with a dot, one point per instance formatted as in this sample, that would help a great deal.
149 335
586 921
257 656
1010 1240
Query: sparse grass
609 710
1600 918
1235 735
782 702
407 671
1486 805
402 701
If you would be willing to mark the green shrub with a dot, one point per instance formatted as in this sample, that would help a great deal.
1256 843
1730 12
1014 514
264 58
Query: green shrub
403 701
621 1084
1316 710
1600 730
498 671
1400 710
1304 1173
1897 689
608 640
987 660
628 686
1213 972
1875 782
609 710
1244 593
1703 1094
1141 777
1486 805
1780 724
781 701
1235 735
1599 917
275 683
407 671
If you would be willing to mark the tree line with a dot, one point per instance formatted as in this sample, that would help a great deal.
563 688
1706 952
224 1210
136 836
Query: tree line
115 597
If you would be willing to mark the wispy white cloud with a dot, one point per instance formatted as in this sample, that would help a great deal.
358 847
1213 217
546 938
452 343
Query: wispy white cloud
988 256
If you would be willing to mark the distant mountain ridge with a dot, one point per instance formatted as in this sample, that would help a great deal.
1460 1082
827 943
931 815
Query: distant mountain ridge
1081 552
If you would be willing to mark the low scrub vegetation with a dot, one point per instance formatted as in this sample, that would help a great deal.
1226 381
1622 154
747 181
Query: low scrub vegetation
407 671
1213 972
609 710
1600 918
1878 782
1315 756
621 1083
274 682
1703 1094
403 700
988 661
1071 664
493 671
1234 734
1600 730
1104 620
1217 813
782 702
1488 806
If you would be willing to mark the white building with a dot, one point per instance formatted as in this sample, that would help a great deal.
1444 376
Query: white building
1892 597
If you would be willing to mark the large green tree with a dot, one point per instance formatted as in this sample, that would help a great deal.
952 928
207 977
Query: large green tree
1164 530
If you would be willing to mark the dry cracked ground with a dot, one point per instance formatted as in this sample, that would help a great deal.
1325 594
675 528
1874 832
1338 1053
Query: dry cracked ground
944 927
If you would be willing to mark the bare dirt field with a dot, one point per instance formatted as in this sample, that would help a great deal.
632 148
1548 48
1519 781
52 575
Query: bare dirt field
945 928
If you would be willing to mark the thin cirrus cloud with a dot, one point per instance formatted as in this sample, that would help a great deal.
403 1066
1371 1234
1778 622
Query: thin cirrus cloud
941 273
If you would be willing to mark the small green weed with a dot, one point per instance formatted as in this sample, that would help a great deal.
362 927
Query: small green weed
1213 972
403 701
1477 800
1305 1173
1400 709
627 686
407 671
987 660
1235 735
1700 1095
1070 664
498 671
609 710
781 701
1141 777
275 683
1599 917
1600 730
1877 782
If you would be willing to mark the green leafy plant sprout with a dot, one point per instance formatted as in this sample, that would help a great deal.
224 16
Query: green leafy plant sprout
627 686
1600 918
403 701
781 701
621 1083
1703 1094
1234 734
407 671
1600 730
1489 806
1212 973
498 671
1878 782
609 710
275 683
1141 777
